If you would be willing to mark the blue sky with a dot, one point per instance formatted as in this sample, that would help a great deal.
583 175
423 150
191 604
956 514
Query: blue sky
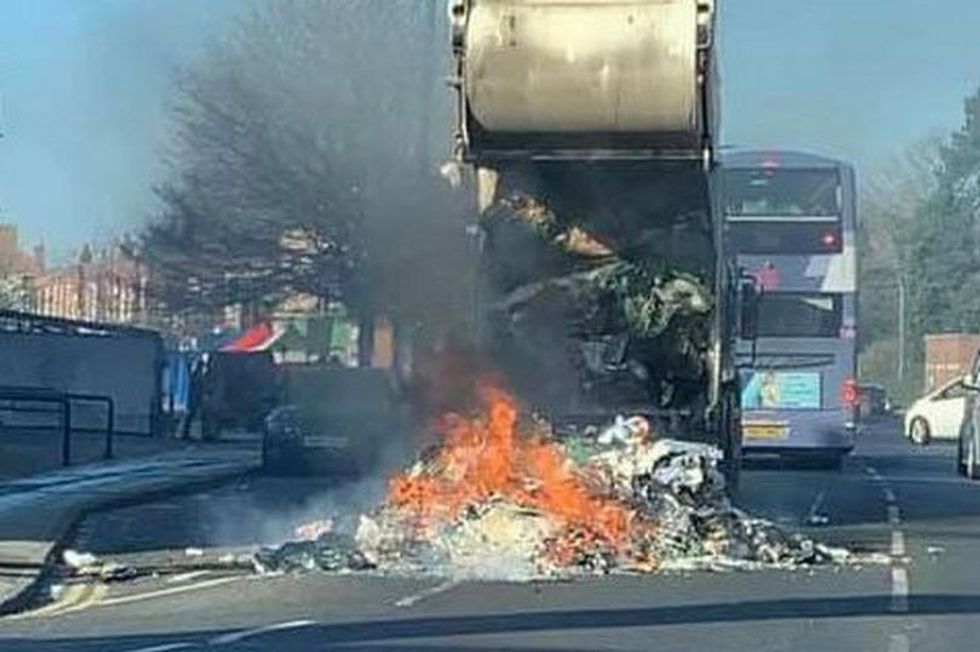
83 86
856 78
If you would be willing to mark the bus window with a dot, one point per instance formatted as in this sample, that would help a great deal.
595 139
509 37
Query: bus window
786 237
770 192
784 314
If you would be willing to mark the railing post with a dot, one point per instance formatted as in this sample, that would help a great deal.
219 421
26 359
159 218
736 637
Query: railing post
66 431
110 427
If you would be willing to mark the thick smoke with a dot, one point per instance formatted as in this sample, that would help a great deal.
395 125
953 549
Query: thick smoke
334 116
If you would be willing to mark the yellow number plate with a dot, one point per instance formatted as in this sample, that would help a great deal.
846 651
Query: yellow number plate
766 431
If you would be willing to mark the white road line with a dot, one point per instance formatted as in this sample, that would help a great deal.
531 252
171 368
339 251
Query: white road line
899 643
915 479
164 648
817 504
235 637
126 599
900 591
410 600
894 515
186 577
898 543
900 575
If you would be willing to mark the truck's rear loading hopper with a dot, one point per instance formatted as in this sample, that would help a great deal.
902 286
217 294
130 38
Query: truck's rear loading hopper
585 78
604 285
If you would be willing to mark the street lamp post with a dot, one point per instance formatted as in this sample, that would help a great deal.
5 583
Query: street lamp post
901 329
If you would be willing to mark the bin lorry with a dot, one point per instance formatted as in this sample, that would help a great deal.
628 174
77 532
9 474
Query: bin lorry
588 130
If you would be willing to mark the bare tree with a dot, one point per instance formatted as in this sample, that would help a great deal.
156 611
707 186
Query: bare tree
305 157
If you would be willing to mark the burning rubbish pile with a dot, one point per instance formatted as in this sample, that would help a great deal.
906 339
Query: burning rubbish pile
504 497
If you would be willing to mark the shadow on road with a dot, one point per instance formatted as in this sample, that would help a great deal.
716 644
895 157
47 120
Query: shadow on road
257 509
376 632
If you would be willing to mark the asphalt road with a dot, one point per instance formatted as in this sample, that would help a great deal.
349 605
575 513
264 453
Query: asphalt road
890 498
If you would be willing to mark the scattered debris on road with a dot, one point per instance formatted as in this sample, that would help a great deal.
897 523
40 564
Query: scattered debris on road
505 497
85 564
329 551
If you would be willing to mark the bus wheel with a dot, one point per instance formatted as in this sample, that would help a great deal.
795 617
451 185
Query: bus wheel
919 432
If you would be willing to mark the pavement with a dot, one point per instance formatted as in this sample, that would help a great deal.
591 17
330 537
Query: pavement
32 451
38 510
892 498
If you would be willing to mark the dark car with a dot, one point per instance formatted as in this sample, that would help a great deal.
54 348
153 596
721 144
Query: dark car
338 422
873 401
240 390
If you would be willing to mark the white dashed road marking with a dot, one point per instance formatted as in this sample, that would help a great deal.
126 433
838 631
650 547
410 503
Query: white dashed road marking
410 600
235 637
900 591
899 603
898 543
164 648
894 515
899 643
815 507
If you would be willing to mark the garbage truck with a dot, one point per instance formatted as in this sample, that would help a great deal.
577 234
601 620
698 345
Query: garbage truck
587 130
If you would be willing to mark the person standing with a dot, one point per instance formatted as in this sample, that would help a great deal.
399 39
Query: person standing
196 396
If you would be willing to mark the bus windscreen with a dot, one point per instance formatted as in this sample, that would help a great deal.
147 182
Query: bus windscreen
775 192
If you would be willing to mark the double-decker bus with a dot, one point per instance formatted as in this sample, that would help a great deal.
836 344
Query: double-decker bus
791 222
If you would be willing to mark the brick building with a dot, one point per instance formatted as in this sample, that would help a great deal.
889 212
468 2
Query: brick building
106 286
14 261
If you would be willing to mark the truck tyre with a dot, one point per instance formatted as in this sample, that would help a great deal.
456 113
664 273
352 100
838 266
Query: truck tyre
919 432
972 462
731 424
833 462
960 470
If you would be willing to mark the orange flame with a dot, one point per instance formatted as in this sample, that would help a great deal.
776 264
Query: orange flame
487 456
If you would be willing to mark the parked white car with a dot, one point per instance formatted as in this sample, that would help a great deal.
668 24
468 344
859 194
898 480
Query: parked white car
938 414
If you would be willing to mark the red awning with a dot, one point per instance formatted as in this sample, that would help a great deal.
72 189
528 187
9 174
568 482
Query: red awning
257 338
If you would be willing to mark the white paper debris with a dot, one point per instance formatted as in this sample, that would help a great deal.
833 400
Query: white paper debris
79 560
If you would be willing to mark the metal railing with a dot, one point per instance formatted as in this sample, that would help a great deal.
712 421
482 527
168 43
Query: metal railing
26 400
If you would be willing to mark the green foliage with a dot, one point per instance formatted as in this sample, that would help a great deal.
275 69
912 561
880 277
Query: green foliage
944 259
651 302
921 227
